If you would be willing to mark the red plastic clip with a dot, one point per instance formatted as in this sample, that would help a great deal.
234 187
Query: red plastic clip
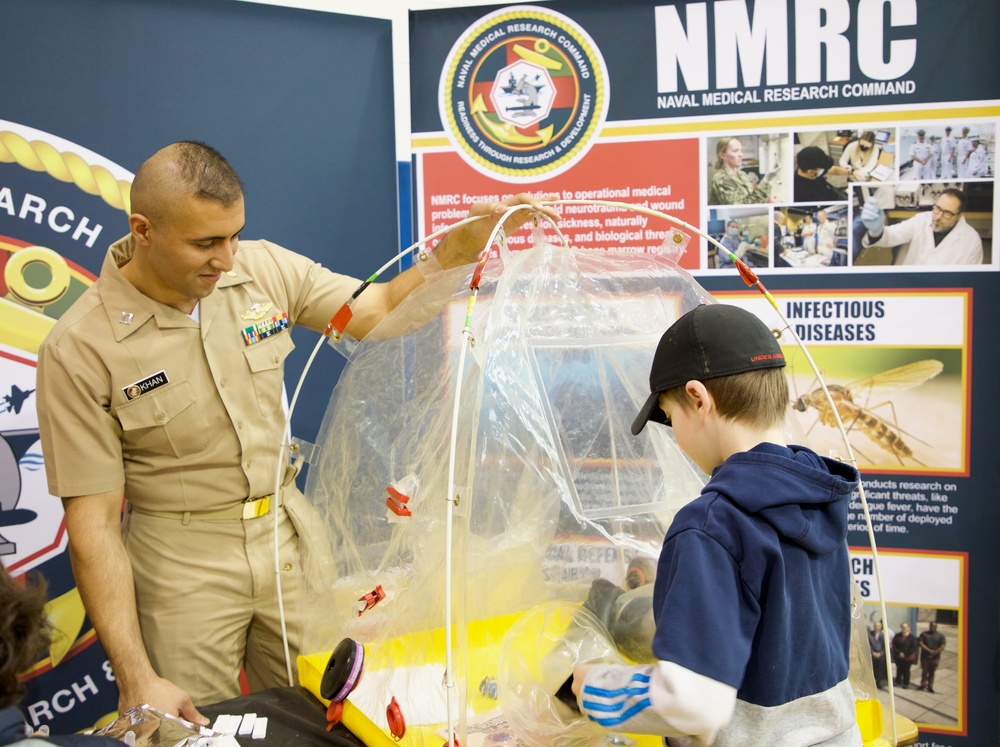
394 715
340 321
396 502
333 714
477 273
748 275
370 599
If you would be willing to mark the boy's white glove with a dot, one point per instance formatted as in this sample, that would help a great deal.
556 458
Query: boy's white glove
872 218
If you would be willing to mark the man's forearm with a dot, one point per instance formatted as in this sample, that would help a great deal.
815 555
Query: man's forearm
461 246
103 575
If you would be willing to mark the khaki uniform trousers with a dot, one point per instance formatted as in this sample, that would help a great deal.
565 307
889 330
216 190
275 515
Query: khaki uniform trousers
207 599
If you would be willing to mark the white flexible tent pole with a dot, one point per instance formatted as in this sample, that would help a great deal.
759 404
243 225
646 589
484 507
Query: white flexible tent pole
498 236
451 473
287 448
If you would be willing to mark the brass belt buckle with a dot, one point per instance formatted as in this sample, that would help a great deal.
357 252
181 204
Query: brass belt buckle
257 507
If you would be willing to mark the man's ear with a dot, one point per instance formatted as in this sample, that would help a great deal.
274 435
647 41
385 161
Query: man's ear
140 227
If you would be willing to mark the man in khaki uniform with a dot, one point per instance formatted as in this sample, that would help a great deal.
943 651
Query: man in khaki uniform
162 384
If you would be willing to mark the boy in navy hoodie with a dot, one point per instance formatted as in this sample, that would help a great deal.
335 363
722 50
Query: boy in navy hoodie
752 595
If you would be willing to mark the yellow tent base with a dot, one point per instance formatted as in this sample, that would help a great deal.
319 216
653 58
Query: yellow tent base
869 714
485 637
311 669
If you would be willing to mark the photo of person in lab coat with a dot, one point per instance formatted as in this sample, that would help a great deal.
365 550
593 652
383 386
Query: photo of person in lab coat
939 236
807 234
743 231
826 235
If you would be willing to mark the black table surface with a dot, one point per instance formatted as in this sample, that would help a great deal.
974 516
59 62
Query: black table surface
294 718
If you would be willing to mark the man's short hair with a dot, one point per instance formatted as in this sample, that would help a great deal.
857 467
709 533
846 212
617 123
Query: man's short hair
186 167
208 173
958 195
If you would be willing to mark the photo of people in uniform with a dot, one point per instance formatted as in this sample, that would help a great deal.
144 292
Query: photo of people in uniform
815 236
747 169
918 649
877 195
946 151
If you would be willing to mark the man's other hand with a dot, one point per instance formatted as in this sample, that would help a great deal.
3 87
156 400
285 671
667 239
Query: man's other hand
465 243
163 695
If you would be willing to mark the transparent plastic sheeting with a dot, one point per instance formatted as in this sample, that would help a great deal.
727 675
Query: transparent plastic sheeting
553 491
555 500
538 655
862 677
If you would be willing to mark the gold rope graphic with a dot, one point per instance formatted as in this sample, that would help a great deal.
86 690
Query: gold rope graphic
38 155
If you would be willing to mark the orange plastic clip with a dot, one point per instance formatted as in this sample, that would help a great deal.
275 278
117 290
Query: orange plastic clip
396 502
333 714
748 275
370 599
340 320
394 715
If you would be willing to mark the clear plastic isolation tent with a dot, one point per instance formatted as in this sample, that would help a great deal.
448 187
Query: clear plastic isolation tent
478 492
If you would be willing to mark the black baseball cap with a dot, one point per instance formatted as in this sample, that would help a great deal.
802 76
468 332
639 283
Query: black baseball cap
709 341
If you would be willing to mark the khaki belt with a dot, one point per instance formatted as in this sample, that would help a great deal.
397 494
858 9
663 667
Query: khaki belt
249 509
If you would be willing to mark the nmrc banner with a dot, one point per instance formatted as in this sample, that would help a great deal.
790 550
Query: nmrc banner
846 151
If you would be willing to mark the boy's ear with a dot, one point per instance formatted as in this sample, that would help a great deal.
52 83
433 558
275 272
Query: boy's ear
700 397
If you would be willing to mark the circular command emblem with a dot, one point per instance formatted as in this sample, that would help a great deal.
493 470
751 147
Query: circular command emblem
523 93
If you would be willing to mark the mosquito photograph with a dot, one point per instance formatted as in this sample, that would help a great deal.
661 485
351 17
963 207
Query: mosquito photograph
903 409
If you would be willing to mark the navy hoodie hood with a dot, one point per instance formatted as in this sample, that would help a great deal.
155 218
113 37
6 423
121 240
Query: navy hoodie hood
803 497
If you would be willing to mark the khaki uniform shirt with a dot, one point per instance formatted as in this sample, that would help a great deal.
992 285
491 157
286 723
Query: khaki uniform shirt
186 415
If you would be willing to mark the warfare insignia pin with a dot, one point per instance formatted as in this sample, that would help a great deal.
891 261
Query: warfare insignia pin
256 311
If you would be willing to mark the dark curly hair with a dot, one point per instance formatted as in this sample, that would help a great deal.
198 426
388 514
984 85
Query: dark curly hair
24 632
